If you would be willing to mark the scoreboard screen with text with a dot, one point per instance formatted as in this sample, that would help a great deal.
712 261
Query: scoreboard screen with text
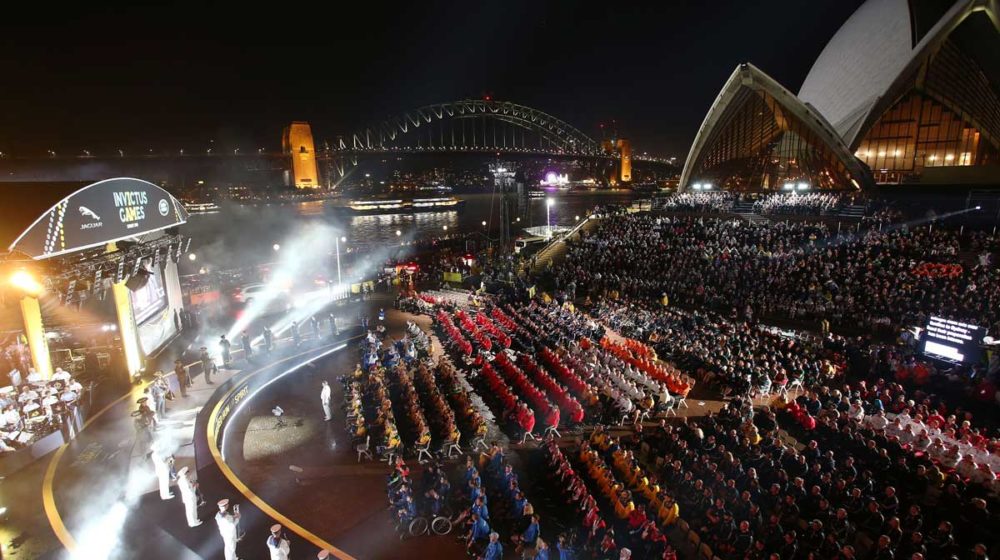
953 340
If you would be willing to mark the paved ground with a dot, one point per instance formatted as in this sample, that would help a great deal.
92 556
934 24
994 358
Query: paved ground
336 498
103 490
99 493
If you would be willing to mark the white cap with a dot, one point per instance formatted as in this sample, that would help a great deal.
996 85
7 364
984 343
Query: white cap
276 527
223 503
323 554
182 472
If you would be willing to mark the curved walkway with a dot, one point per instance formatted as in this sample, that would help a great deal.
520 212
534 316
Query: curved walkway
334 498
99 496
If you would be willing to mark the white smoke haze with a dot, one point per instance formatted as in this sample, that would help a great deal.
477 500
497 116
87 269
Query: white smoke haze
100 538
310 248
304 249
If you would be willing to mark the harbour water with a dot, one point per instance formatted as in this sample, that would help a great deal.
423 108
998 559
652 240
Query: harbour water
240 235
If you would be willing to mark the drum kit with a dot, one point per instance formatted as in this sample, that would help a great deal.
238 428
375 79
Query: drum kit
42 405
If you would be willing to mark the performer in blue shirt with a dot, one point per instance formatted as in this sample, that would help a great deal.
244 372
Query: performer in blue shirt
528 537
494 550
566 551
480 530
480 508
541 550
519 502
530 534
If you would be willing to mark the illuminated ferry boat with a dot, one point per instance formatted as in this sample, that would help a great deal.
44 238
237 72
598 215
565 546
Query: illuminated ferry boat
201 207
401 206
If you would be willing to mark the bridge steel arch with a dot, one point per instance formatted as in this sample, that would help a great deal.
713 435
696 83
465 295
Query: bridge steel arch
472 125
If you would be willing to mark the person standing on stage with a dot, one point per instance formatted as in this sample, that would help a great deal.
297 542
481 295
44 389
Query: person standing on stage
207 365
324 397
162 470
314 325
228 528
247 347
188 497
182 376
334 330
278 544
227 355
158 391
268 340
296 337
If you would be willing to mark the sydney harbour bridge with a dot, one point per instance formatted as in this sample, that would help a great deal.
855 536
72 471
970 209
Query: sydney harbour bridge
483 127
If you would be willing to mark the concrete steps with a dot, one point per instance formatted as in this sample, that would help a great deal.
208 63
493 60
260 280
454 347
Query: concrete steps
752 217
854 211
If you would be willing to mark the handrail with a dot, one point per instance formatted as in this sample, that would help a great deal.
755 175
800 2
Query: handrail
568 234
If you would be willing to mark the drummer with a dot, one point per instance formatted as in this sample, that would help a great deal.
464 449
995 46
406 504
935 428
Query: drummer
27 394
11 419
48 402
7 397
69 395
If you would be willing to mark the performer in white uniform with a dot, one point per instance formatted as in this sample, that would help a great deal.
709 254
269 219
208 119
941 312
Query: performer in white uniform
324 397
189 497
227 528
277 544
162 474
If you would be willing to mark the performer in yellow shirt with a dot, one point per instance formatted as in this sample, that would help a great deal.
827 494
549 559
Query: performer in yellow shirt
424 439
623 506
668 511
650 491
599 439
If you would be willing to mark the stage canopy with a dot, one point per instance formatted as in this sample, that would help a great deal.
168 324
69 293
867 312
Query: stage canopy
77 217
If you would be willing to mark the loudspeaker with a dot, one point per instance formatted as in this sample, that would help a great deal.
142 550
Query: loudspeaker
138 280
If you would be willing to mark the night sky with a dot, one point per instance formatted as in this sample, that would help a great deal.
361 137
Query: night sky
175 77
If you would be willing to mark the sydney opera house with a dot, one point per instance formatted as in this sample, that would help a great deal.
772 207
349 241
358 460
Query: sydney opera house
906 92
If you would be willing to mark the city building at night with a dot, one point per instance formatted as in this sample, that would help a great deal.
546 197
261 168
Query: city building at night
911 88
758 135
914 89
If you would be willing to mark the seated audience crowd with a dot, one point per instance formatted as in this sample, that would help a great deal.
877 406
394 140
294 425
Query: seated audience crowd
826 446
798 270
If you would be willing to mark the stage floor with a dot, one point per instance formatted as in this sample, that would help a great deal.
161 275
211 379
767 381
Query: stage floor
335 497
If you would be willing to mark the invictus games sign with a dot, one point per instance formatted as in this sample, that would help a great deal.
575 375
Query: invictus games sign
98 214
131 207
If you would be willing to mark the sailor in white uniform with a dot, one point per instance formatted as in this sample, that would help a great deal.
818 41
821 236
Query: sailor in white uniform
324 397
277 544
162 474
228 529
189 497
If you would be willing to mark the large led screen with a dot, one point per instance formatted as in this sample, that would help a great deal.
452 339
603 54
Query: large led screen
153 316
954 341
